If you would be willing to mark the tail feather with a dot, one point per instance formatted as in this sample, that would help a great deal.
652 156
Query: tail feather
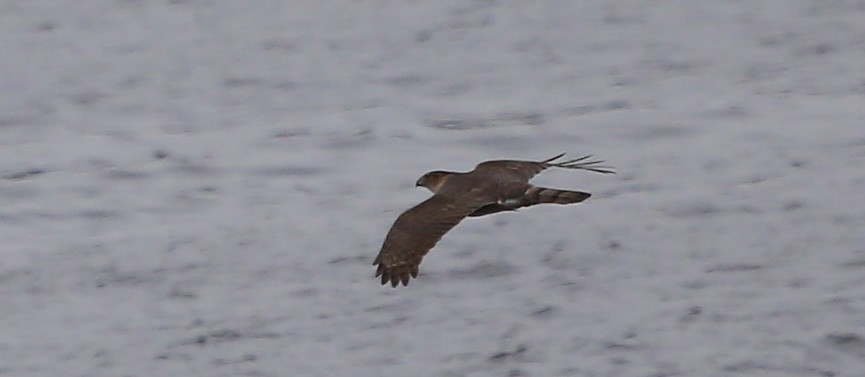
534 195
539 195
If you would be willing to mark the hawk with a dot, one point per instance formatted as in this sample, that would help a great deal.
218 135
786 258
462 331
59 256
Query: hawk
493 186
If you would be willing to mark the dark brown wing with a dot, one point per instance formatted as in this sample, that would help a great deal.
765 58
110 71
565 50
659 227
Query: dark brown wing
416 231
523 171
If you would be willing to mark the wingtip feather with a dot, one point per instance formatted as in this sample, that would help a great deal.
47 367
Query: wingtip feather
551 159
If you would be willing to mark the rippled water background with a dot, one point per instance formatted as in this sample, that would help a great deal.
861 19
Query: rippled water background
198 188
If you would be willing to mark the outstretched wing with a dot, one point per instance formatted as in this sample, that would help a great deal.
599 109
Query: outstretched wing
523 171
416 231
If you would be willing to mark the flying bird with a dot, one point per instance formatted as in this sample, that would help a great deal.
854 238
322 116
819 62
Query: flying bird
492 187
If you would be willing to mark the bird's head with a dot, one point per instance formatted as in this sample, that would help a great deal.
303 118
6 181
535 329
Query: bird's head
433 180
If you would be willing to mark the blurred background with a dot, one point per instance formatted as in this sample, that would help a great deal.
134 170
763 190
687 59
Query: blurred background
198 187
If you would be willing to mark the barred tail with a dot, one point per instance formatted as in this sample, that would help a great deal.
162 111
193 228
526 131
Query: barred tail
538 195
534 195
